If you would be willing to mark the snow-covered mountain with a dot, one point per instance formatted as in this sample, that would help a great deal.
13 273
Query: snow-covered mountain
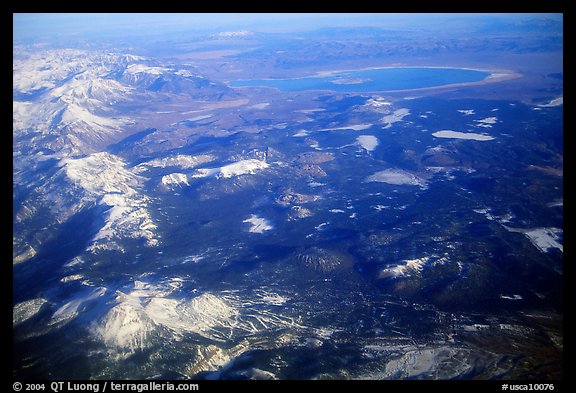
100 181
173 80
71 100
174 181
64 102
68 106
145 314
155 310
238 168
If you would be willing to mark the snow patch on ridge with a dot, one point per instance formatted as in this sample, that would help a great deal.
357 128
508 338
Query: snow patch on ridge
406 268
175 180
243 167
545 239
462 135
396 177
180 161
486 122
555 102
258 224
396 116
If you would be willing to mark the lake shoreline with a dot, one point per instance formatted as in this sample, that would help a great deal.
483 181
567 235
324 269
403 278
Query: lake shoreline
495 76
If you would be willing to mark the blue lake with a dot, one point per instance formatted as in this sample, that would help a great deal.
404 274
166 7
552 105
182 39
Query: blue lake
380 79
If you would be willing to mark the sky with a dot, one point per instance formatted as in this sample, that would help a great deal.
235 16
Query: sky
44 26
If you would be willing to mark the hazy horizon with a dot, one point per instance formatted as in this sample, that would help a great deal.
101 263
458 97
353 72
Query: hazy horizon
36 26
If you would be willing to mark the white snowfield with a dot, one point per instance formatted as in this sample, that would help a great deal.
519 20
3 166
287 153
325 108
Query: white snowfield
258 224
467 112
45 69
126 326
462 135
199 315
555 102
377 102
243 167
354 127
396 116
301 133
511 297
545 239
74 307
486 122
406 268
143 69
261 105
175 180
180 161
198 118
100 173
368 142
396 177
234 34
